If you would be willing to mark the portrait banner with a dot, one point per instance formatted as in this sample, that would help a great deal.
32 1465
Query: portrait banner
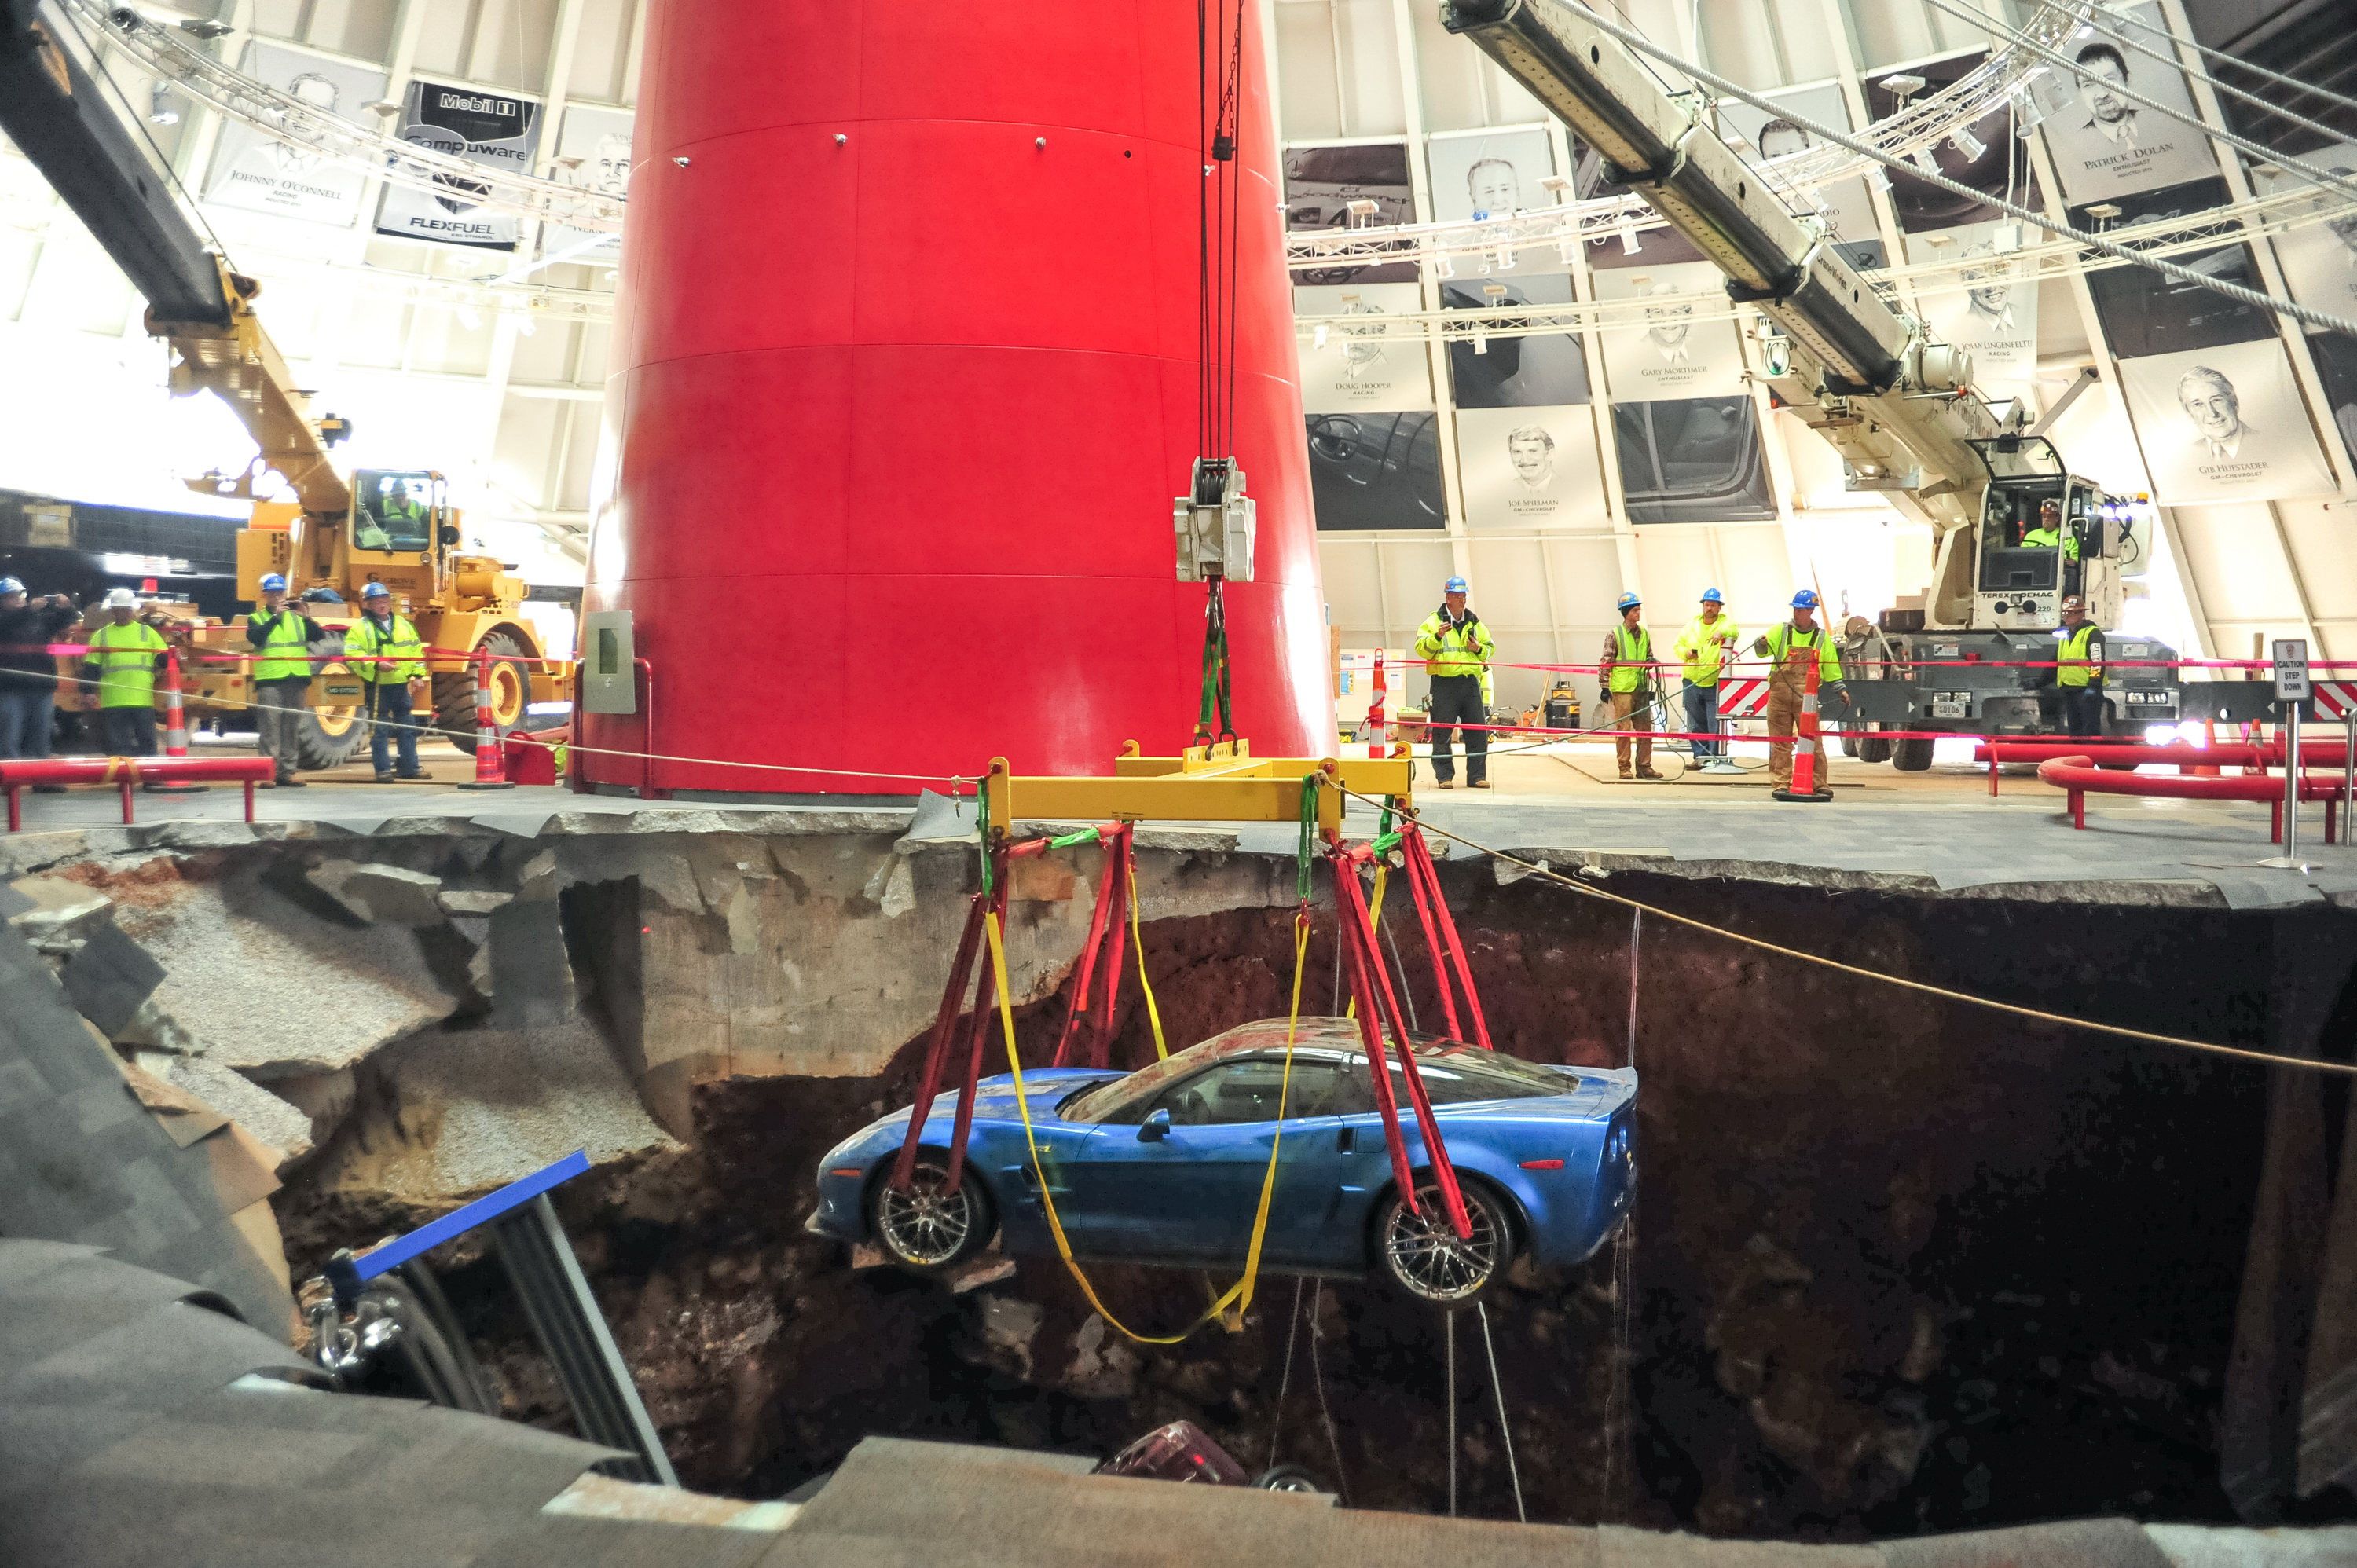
260 174
1359 363
2106 145
593 151
2320 257
1529 467
1671 355
1989 307
2224 424
1768 136
1980 155
1320 183
1489 174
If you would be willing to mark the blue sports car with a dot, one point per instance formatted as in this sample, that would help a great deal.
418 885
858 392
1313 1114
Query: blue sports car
1165 1165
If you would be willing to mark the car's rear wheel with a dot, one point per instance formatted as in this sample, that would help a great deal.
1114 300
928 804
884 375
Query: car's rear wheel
1423 1255
929 1227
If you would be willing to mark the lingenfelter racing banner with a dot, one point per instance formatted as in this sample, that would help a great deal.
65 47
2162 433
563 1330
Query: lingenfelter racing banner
264 175
1989 305
497 129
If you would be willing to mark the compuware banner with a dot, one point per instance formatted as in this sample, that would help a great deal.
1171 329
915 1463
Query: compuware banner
496 129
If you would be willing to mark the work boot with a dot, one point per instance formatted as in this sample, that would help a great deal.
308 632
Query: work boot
384 778
289 783
412 778
1647 773
1476 784
1447 783
1626 772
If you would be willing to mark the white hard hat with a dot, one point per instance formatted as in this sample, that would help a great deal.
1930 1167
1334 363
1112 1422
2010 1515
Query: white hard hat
121 600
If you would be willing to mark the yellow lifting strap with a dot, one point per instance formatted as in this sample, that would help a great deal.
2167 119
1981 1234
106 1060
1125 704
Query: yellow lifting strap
1375 907
1137 945
1239 1297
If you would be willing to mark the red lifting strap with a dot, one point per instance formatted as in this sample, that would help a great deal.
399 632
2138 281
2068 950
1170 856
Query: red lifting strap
1431 942
1366 961
1418 855
977 1037
1125 851
1085 969
929 1079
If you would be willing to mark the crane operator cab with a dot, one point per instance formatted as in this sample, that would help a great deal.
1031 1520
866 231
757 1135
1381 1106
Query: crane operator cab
2045 534
397 511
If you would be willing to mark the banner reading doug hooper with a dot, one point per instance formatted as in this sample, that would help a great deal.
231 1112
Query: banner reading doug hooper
497 129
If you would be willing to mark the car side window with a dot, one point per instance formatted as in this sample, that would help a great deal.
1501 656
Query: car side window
1248 1090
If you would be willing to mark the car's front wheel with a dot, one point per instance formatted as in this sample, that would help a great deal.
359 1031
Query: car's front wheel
929 1227
1423 1255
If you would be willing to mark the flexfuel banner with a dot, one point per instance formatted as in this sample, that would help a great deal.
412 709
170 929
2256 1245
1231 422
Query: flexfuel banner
496 129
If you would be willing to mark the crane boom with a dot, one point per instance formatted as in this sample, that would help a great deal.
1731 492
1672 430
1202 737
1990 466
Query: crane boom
55 112
1898 407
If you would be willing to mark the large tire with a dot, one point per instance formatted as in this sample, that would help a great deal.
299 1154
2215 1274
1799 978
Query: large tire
329 738
1913 755
923 1228
1421 1256
453 693
1873 748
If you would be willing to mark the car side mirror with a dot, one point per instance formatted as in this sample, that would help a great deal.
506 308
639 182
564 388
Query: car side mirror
1154 1128
449 535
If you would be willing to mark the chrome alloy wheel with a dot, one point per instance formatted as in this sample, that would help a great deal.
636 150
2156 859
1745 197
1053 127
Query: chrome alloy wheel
927 1226
1424 1254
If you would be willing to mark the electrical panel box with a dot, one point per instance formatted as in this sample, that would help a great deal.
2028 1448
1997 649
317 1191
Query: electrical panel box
609 668
1214 523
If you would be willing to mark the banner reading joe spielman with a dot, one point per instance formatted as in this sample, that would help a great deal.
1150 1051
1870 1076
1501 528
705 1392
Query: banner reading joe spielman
497 129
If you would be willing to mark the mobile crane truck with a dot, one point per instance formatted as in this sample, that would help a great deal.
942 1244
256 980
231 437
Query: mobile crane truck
393 526
1897 405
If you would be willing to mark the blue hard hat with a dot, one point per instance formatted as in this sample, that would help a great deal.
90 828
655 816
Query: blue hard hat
274 583
11 585
1630 602
1712 596
1807 599
1455 585
376 591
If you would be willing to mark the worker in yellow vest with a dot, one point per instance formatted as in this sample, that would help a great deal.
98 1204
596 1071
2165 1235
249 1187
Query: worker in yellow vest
1705 646
2079 669
124 654
1455 648
282 638
388 656
1628 670
1790 647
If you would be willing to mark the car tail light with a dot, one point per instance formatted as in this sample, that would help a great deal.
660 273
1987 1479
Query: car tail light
844 1170
1541 1164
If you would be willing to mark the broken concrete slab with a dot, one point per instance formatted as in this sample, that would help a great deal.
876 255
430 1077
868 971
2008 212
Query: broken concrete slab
378 894
48 908
111 978
471 900
530 979
275 1122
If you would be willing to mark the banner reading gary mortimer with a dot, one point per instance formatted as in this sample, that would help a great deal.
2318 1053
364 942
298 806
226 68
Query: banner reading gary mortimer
497 129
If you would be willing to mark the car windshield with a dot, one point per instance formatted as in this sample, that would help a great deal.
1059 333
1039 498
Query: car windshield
1453 1073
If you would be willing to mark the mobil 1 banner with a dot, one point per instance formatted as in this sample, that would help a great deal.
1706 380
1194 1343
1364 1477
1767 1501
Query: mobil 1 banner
2106 144
263 174
1988 305
496 129
2224 424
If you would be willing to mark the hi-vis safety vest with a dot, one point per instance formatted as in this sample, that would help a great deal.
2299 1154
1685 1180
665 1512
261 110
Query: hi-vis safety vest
1784 637
1702 648
125 657
1454 650
1632 651
2074 666
282 655
395 641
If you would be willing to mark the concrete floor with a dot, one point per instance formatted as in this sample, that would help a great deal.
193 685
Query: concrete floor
1935 831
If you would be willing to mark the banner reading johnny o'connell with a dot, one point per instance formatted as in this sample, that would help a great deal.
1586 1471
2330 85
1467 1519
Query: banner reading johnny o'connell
497 129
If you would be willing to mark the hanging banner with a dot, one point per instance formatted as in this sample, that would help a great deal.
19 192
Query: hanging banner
1359 363
1981 155
1671 355
593 151
1543 369
1369 471
1529 467
1489 174
2146 313
260 174
497 129
2335 367
1767 136
2320 258
2104 144
1990 307
1320 183
1696 460
2224 424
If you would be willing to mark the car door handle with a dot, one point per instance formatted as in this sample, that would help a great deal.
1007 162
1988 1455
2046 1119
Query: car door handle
1346 1141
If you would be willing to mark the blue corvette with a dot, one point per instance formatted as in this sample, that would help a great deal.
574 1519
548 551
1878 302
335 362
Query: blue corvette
1165 1165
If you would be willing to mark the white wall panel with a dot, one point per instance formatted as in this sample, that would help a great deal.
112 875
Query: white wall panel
601 50
362 29
2323 539
1462 89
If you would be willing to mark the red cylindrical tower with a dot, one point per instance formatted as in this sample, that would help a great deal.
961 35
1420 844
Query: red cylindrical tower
904 381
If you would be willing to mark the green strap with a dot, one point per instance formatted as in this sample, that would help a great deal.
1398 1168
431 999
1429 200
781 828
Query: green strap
1086 835
982 829
1217 698
1306 856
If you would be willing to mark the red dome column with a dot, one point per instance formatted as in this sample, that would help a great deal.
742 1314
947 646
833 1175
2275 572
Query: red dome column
904 381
